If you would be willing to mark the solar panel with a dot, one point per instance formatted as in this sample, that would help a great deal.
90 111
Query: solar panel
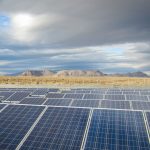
136 98
145 92
93 96
98 92
58 102
83 91
15 121
86 103
131 93
114 92
74 96
68 91
53 90
18 96
115 104
148 119
59 128
55 95
33 100
2 106
40 92
117 130
137 105
5 95
114 97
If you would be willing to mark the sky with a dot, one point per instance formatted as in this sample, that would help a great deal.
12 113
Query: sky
108 35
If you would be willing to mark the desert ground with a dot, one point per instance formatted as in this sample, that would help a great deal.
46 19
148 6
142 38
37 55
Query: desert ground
19 81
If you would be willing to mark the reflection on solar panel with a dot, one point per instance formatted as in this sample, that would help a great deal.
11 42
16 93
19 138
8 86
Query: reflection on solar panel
136 97
75 96
86 103
115 97
18 96
2 106
5 95
137 105
55 95
93 96
15 121
115 104
58 102
59 128
33 100
117 130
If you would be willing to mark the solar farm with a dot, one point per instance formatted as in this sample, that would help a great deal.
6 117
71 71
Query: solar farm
74 119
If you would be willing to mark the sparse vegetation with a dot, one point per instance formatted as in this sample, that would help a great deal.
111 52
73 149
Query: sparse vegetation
76 81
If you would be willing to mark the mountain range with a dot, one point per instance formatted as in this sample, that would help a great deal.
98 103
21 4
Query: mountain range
78 73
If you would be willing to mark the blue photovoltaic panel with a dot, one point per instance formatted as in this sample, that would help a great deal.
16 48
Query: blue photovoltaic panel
86 103
15 121
93 96
68 91
136 97
148 119
117 130
83 91
40 92
114 92
137 105
53 90
33 100
2 106
58 129
98 92
55 95
5 95
115 104
145 92
58 102
74 96
131 93
18 96
114 97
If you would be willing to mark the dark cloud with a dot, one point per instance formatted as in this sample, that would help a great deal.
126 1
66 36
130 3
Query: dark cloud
66 25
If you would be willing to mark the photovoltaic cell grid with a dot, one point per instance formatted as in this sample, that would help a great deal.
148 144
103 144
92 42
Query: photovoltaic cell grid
18 96
115 104
55 95
74 96
15 121
86 103
114 97
117 130
93 96
59 128
148 119
6 95
136 98
138 105
2 106
33 100
40 92
58 102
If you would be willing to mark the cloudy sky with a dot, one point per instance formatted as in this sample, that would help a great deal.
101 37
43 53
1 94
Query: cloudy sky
107 35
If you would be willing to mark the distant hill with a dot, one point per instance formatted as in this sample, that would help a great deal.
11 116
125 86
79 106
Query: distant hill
37 73
88 73
79 73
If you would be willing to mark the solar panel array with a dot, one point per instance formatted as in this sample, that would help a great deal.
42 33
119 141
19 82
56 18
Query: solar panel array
90 119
